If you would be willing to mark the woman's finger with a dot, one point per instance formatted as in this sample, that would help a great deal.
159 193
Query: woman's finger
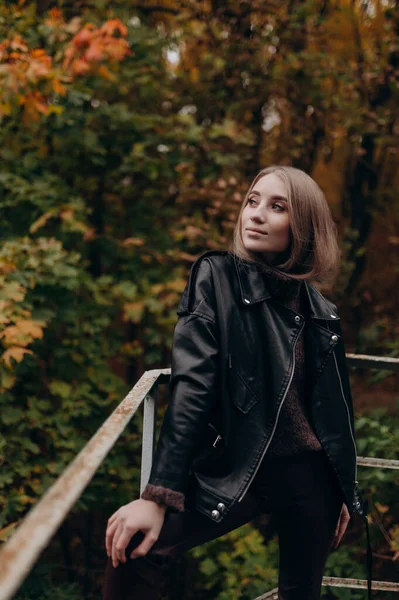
117 533
334 540
112 518
337 527
343 524
339 536
145 546
109 536
123 540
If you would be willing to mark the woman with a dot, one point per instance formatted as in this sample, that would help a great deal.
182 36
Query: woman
260 418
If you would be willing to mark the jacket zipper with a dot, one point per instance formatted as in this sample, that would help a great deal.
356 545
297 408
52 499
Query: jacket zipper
218 436
275 423
347 410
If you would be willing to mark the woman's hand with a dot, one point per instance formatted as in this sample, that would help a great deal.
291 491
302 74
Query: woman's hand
342 524
140 515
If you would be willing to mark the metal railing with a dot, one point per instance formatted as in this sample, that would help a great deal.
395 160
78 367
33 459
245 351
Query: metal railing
355 584
20 552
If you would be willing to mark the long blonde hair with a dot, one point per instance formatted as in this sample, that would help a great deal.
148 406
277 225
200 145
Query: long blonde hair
313 252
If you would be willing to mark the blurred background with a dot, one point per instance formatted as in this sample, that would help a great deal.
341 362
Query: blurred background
129 134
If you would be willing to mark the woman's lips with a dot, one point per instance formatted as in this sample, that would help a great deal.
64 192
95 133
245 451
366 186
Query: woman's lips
256 232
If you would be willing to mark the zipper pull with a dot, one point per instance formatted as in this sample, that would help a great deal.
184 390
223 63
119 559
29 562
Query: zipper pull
219 437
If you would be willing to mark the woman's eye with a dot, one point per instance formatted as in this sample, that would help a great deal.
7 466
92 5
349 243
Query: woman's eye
252 201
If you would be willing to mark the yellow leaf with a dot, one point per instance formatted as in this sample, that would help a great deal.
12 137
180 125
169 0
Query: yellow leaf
106 73
177 285
382 508
8 530
41 221
157 288
133 242
25 499
7 381
133 311
57 110
13 291
5 108
31 328
194 74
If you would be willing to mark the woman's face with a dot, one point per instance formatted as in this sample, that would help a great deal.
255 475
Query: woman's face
266 211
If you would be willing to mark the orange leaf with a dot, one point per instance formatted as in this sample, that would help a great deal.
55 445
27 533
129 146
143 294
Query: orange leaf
16 353
67 214
59 88
95 52
110 26
22 333
17 43
118 49
82 38
32 328
79 67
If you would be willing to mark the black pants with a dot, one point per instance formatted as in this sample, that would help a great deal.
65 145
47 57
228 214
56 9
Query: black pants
303 494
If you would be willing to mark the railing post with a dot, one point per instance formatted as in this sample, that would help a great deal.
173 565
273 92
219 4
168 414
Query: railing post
149 432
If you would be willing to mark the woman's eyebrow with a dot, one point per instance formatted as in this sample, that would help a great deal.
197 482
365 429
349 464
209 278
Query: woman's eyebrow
275 197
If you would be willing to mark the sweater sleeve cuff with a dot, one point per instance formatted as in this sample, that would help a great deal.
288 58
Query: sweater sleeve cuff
162 495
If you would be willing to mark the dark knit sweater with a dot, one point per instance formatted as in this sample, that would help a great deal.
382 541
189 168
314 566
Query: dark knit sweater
294 433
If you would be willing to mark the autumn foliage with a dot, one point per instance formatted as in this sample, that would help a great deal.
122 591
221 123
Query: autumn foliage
34 79
129 134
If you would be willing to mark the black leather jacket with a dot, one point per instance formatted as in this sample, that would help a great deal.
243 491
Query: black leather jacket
232 364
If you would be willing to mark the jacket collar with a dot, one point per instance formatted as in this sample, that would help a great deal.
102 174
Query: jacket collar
256 285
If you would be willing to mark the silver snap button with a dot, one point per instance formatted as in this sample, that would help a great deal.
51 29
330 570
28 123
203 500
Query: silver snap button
333 316
247 301
221 506
334 338
215 514
297 319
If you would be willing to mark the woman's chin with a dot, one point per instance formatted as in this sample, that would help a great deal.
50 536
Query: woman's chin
254 247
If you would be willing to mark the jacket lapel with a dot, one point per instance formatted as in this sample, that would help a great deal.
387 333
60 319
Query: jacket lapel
255 287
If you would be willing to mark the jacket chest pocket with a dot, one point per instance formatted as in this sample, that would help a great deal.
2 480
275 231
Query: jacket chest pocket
241 387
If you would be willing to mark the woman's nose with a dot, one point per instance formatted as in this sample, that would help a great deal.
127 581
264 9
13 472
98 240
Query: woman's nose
258 215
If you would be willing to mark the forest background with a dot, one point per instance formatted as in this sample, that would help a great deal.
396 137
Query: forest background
129 133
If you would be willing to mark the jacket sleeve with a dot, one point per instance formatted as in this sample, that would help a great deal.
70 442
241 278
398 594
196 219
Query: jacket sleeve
193 389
